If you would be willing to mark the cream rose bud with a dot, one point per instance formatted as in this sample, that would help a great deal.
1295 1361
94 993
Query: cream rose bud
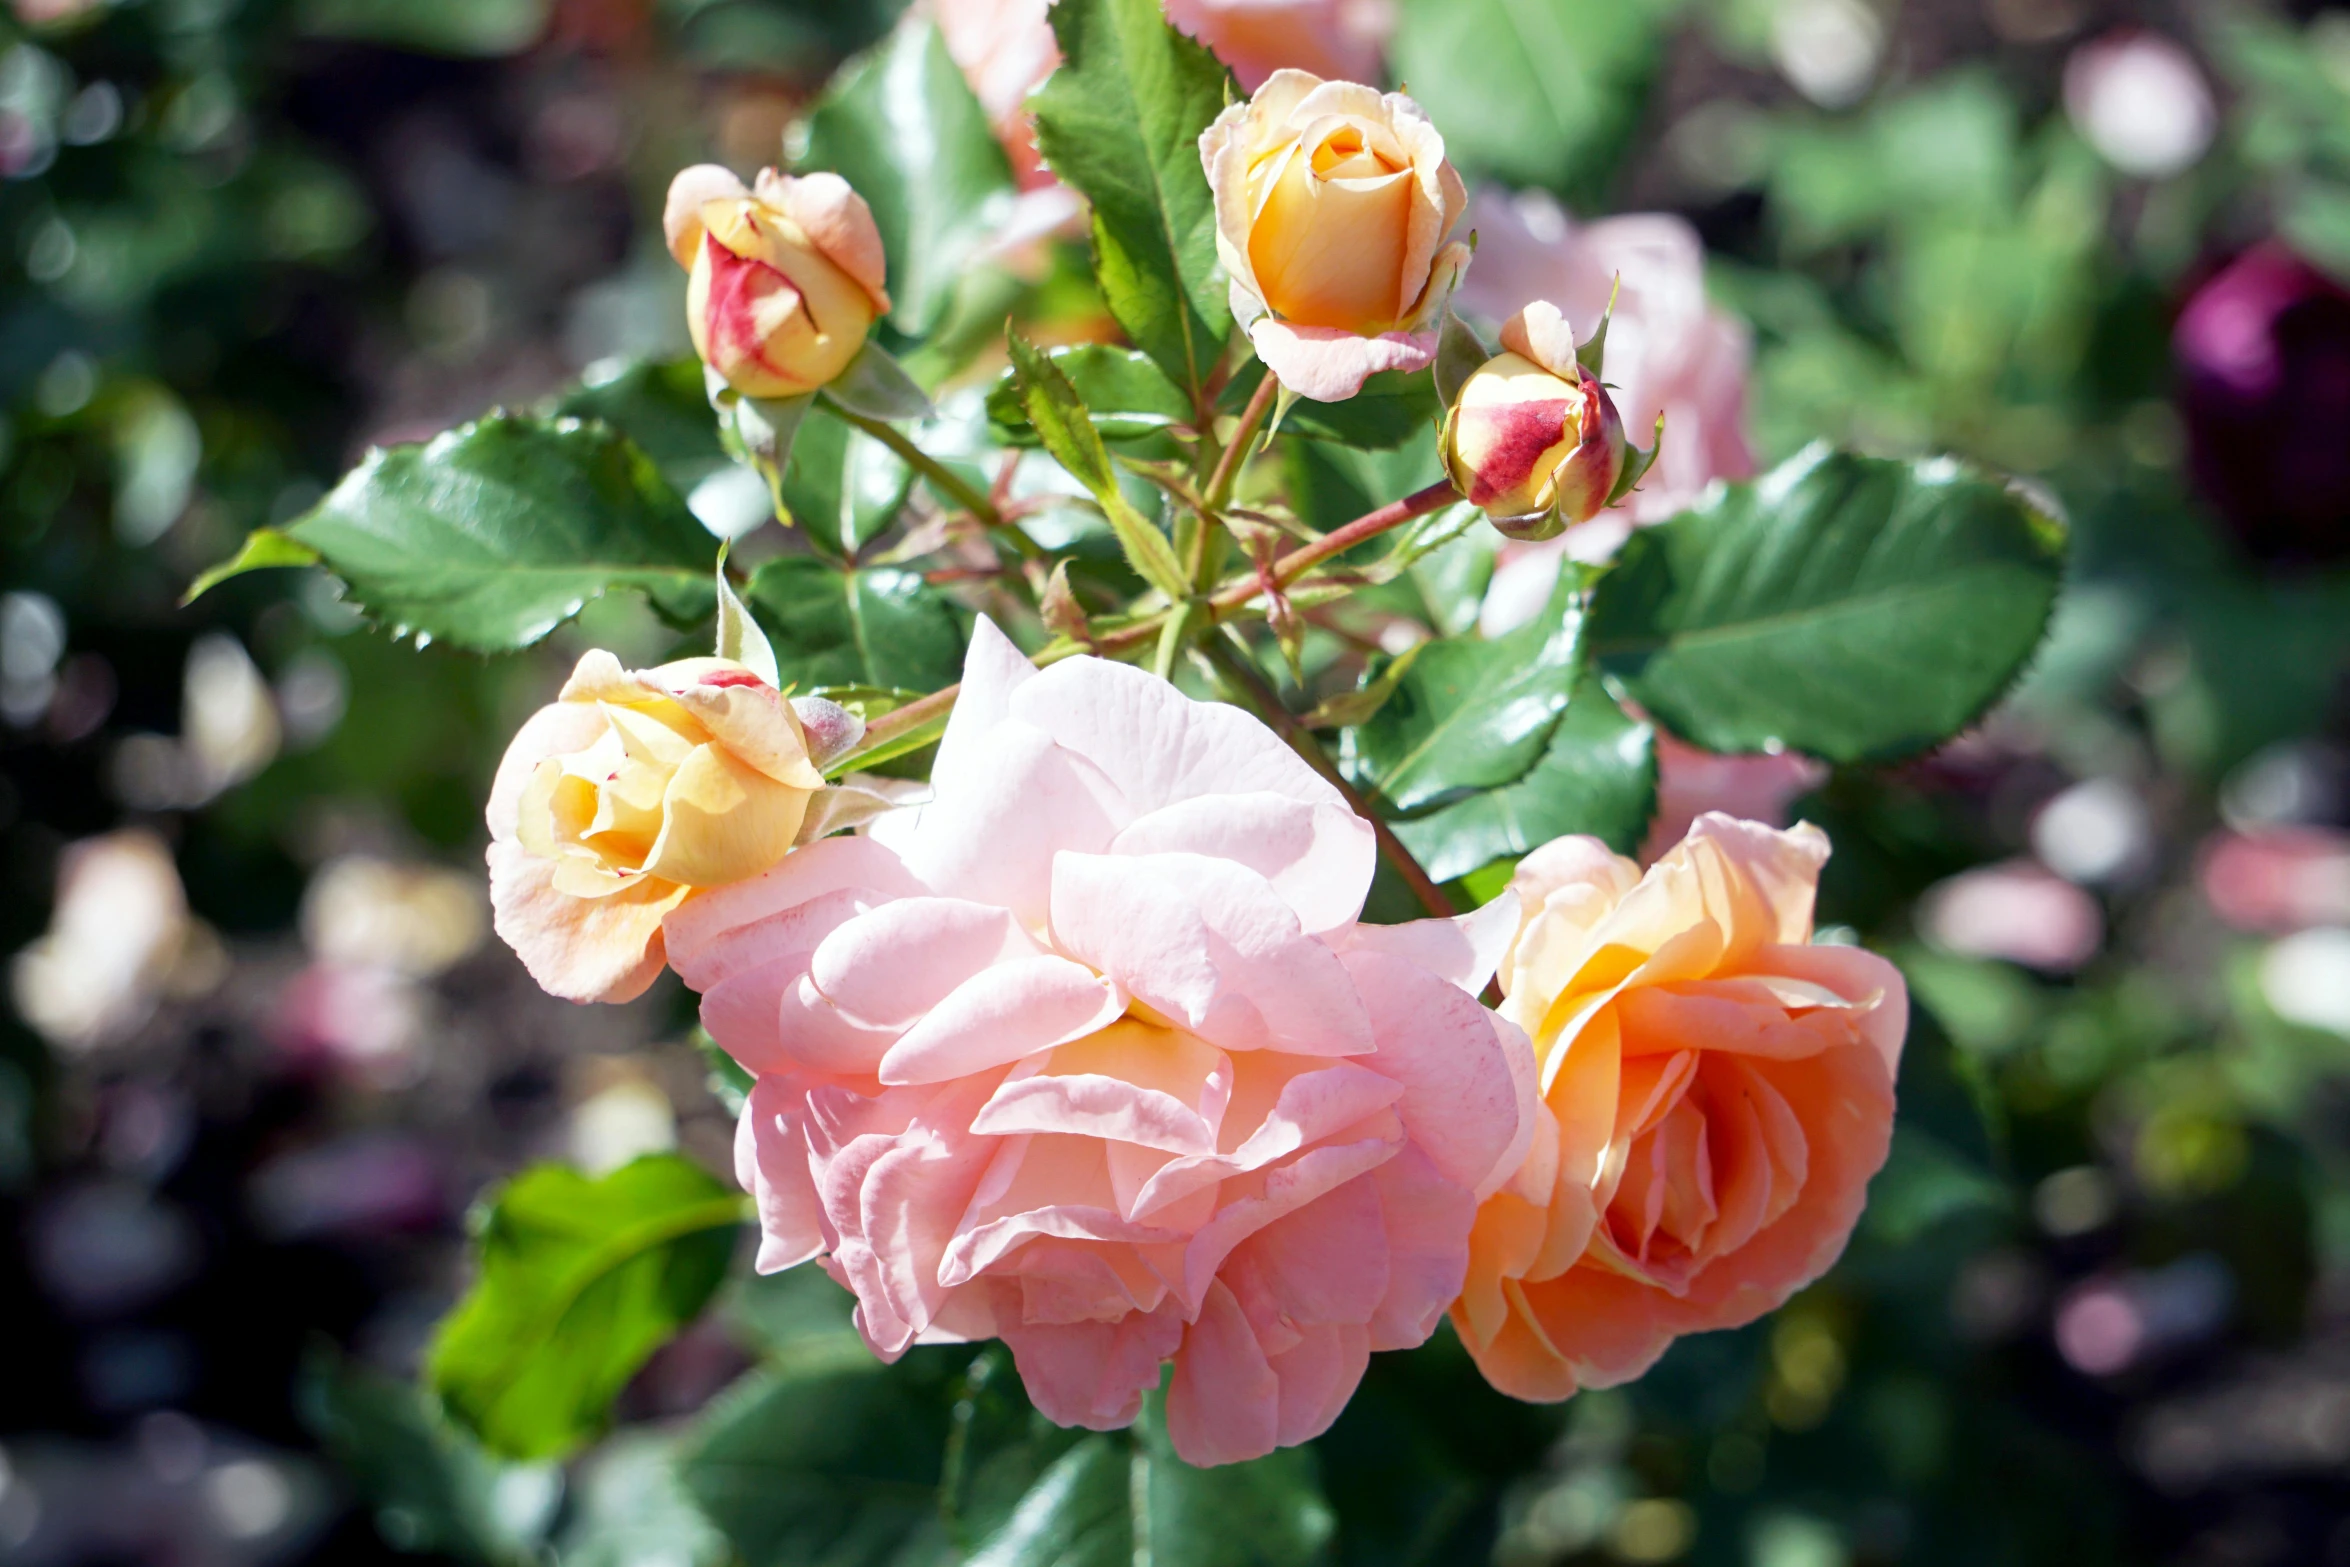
1534 439
786 275
1333 203
629 792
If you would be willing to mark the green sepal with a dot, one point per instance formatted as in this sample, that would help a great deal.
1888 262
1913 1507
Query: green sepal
876 386
1637 463
1460 353
739 638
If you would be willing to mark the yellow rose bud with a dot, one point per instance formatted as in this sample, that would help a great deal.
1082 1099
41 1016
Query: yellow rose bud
1533 438
786 276
629 792
1333 202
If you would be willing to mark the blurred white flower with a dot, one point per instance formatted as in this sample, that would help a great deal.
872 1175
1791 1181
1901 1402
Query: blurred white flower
1828 49
2140 100
228 721
119 926
32 639
2018 911
417 920
2097 832
2305 979
626 1118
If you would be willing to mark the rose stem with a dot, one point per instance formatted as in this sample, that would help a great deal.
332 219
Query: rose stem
1337 541
1228 466
1243 676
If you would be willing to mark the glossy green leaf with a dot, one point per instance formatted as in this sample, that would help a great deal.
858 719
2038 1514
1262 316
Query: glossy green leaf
1331 485
1472 713
870 626
630 1509
1022 1492
1532 92
493 534
1059 417
826 1456
431 1486
902 127
1851 607
579 1281
1597 776
660 405
1120 121
843 486
1124 393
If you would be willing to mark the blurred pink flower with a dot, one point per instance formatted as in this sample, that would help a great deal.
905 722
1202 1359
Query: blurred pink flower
2279 880
2018 910
2141 101
1691 782
1090 1054
1339 40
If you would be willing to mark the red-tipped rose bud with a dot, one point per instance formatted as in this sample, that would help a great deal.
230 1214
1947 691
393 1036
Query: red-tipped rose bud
787 276
1534 439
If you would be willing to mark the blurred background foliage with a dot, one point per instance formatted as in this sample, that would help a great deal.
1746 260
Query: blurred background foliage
260 1057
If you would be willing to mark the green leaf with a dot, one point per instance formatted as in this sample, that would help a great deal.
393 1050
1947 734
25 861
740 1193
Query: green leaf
1331 485
580 1280
630 1509
660 405
483 28
263 548
1851 607
1022 1492
1395 407
826 1456
902 127
871 626
1120 121
1124 394
1474 714
491 535
1532 92
1061 422
878 387
1597 776
431 1486
843 486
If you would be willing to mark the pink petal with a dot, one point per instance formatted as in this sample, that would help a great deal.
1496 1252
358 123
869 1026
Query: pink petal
1462 951
1317 1377
837 219
1249 1203
1000 1015
1224 1404
992 670
1319 858
697 931
1315 1102
1426 1220
1328 365
1464 1102
991 837
681 214
888 967
1324 1263
1156 745
771 1163
1094 1374
915 1194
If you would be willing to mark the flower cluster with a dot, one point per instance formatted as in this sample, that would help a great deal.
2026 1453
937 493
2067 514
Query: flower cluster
1088 1049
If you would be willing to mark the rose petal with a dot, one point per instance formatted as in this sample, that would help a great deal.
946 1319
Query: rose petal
1326 365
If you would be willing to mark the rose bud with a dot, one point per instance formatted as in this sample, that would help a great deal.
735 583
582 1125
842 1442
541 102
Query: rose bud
1534 439
786 276
1333 201
2263 351
631 791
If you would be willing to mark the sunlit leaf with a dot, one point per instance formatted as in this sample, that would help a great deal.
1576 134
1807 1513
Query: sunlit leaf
1125 395
870 626
1059 418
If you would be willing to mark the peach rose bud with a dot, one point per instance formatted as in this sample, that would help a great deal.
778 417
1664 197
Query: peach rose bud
1716 1093
786 275
1333 203
630 792
1534 439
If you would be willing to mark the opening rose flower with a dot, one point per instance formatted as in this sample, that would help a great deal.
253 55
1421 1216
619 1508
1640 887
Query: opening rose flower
1533 438
634 788
1089 1053
1718 1093
1333 203
787 275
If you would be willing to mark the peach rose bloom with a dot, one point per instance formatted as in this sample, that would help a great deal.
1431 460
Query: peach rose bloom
633 789
786 276
1090 1054
1534 440
1333 203
1719 1092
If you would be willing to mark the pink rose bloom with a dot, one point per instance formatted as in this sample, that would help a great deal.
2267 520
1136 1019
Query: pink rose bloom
1340 40
2277 880
1089 1054
2017 910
